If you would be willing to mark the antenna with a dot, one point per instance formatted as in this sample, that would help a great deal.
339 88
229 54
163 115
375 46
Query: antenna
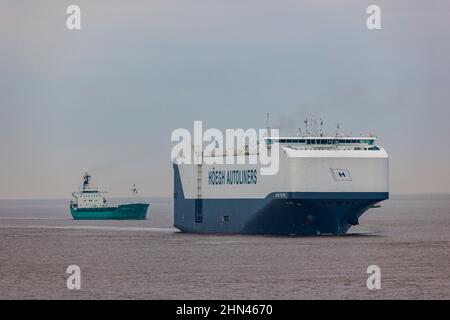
338 127
267 123
86 180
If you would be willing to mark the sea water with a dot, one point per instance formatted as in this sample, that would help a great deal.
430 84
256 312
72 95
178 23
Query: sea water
408 238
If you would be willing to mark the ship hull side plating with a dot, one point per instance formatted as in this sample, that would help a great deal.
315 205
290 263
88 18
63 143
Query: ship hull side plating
281 213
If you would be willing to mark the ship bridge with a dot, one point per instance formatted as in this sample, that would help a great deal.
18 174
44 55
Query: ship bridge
347 143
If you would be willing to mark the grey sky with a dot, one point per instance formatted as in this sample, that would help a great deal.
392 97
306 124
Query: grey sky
106 98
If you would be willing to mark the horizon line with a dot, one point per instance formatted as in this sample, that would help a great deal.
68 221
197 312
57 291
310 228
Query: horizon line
171 197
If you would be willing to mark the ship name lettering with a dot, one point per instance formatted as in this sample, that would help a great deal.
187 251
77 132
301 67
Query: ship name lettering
232 177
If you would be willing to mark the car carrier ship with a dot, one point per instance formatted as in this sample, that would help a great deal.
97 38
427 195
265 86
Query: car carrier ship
323 185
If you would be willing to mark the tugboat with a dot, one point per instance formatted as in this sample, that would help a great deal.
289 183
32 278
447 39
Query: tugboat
90 204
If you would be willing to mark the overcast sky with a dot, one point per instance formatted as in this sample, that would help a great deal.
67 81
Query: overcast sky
107 97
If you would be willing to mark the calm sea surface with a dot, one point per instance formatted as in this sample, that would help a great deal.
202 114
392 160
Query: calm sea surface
408 238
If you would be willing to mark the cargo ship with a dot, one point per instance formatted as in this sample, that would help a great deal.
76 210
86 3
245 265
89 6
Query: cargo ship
90 204
323 185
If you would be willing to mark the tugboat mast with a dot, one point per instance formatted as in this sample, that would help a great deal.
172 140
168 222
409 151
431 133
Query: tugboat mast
134 190
86 180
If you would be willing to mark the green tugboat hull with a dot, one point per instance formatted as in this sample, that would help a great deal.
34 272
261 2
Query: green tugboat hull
135 211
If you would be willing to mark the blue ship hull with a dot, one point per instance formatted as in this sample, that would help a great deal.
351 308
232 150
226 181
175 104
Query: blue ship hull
284 213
